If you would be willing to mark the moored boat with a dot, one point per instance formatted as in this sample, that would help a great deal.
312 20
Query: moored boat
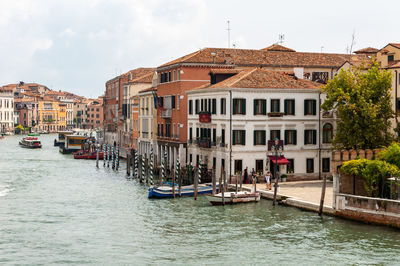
166 191
30 142
61 137
81 154
33 134
233 198
73 143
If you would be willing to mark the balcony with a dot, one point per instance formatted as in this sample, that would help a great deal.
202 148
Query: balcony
275 114
167 113
204 143
205 117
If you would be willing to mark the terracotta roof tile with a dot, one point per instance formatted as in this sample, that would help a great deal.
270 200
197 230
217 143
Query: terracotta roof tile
146 78
368 50
395 44
278 48
243 57
263 78
394 64
148 89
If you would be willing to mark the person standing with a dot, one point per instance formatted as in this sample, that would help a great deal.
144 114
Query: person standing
268 181
246 176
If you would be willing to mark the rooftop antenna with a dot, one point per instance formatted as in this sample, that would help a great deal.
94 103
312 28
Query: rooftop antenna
229 34
281 38
322 47
234 45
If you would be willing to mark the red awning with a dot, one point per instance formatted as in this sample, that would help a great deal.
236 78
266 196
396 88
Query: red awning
281 159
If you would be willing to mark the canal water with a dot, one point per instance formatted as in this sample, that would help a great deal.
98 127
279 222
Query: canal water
55 210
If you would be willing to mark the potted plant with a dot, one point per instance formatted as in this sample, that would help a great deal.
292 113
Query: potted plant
283 177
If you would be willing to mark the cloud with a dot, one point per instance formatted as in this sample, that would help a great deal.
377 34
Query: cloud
68 32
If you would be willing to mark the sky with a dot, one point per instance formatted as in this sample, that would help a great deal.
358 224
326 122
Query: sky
77 45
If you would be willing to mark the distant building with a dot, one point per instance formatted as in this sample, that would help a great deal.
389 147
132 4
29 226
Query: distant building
6 110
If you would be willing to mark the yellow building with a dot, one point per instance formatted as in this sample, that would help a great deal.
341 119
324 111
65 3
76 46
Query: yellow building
51 115
147 121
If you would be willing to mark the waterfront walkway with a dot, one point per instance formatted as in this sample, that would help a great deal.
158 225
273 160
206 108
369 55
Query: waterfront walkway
301 194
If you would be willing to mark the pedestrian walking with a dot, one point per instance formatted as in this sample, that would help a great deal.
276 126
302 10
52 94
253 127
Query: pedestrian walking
246 176
268 181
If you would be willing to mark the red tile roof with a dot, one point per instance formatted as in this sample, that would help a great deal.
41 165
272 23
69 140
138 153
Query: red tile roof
248 58
278 48
394 64
263 78
368 50
224 71
397 45
148 89
146 78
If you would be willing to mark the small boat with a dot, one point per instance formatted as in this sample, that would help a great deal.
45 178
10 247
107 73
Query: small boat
166 191
73 143
88 156
234 198
33 134
30 142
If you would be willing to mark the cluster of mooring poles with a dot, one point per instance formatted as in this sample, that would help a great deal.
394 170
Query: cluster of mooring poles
110 155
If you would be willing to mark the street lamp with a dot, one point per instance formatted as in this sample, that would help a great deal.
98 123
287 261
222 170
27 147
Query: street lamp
277 148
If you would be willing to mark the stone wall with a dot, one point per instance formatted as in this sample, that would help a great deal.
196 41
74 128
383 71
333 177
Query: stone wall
338 157
369 210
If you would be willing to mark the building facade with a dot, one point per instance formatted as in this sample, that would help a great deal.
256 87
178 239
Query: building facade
231 125
6 110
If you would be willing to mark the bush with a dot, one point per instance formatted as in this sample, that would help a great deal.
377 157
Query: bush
374 172
391 154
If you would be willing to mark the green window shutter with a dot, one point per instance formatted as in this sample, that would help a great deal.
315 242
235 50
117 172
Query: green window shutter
279 105
264 107
305 136
244 137
255 107
264 137
305 107
294 137
314 110
294 107
279 134
233 137
270 135
255 137
286 136
244 106
285 106
314 132
234 106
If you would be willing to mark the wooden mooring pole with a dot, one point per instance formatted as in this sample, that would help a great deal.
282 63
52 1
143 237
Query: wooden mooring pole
223 188
276 188
97 156
196 183
173 185
241 181
128 164
321 204
214 183
236 177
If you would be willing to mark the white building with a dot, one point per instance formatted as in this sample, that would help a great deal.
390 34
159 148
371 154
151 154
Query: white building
231 122
69 111
6 110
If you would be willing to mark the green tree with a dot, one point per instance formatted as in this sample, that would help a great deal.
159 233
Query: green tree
362 100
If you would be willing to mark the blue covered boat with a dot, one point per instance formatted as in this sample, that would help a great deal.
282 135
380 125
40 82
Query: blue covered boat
166 191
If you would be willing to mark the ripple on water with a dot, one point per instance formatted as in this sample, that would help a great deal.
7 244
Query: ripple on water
4 190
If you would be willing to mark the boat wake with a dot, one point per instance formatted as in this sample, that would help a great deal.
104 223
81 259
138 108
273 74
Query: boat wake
4 190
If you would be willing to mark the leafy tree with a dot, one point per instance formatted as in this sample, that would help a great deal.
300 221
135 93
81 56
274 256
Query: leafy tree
391 154
362 100
374 173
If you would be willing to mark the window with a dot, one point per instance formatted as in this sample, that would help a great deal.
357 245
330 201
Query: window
290 166
239 106
275 134
275 106
259 166
310 136
289 107
197 133
178 130
162 130
310 165
259 137
173 101
238 166
290 137
196 107
327 133
390 58
190 156
178 103
222 164
190 134
214 107
310 107
169 76
168 130
223 136
260 107
326 164
223 106
214 162
239 137
214 136
179 74
321 77
173 76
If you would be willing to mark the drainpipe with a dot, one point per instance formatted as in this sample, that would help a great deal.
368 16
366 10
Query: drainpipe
230 137
319 135
395 93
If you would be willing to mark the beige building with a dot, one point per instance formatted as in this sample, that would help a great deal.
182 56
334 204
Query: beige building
147 121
